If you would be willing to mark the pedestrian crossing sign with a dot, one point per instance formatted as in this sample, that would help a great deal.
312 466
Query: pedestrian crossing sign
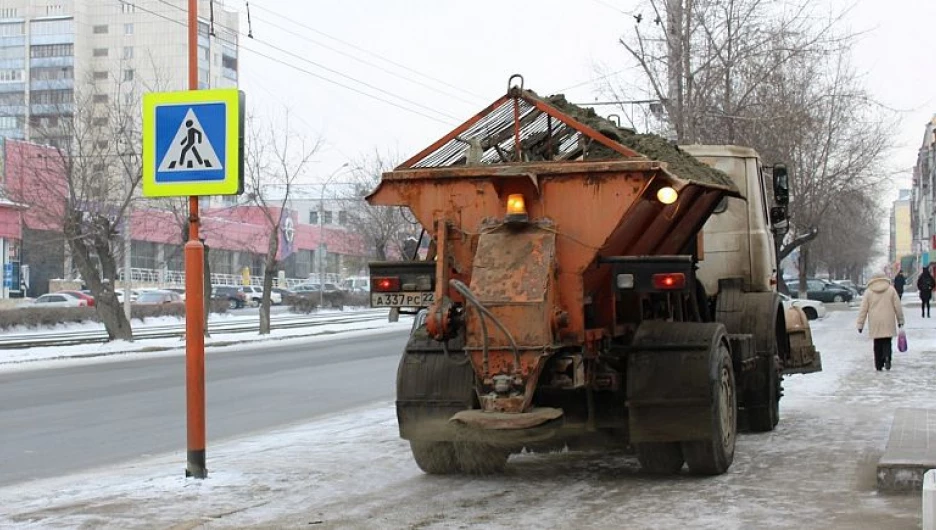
192 143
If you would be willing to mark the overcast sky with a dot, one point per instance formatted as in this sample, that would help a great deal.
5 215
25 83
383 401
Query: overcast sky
450 59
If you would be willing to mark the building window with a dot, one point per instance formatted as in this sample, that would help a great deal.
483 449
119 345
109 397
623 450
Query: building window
51 50
43 122
12 98
229 62
8 12
129 98
327 217
51 97
127 8
100 30
99 75
99 122
12 29
128 52
313 217
99 98
128 29
12 52
9 75
342 217
202 29
51 73
128 74
100 52
8 122
53 9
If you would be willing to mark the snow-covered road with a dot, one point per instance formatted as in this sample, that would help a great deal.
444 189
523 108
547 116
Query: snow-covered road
352 471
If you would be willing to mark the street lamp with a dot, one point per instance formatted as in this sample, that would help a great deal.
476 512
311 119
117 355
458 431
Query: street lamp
321 223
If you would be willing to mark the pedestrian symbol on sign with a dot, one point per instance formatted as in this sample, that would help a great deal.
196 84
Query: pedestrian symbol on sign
190 149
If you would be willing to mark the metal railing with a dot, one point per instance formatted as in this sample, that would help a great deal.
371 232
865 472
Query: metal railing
170 278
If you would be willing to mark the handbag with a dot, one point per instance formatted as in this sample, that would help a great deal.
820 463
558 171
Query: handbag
901 341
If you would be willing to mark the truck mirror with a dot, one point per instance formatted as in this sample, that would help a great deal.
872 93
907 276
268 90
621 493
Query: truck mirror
781 185
779 220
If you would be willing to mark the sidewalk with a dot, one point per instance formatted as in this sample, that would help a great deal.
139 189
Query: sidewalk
911 442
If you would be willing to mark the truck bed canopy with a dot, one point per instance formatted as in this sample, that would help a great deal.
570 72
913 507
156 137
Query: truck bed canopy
552 129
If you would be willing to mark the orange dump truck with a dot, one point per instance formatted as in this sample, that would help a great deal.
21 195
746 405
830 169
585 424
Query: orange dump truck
567 297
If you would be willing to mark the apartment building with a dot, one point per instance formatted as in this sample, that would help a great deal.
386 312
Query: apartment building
923 197
56 54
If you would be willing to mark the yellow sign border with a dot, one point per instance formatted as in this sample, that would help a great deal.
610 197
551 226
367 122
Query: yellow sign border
231 184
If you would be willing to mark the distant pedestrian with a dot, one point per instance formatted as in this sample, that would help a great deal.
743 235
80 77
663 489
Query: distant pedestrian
881 307
925 285
899 282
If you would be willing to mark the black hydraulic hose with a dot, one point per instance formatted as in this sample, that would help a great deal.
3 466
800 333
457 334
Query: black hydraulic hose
470 297
451 359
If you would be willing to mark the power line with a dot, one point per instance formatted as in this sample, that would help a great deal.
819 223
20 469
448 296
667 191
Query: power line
368 63
318 76
368 52
332 70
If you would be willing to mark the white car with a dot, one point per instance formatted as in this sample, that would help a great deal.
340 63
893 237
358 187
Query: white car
255 294
59 300
812 308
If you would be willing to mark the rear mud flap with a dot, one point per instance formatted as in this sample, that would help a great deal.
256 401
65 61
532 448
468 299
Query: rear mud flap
669 394
804 358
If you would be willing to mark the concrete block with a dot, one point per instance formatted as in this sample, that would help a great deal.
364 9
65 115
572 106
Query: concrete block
910 450
929 500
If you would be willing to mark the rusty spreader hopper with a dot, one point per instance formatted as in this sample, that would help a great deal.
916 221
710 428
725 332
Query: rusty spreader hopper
531 281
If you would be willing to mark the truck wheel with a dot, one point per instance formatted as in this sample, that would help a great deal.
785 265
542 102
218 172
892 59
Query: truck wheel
714 457
662 458
764 418
434 458
480 459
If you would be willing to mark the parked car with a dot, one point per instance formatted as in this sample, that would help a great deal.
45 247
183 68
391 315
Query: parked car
332 295
283 293
158 297
59 299
81 294
356 284
858 289
235 298
177 290
255 295
812 308
821 290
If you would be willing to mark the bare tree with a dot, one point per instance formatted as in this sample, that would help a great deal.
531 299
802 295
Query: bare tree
87 183
385 229
275 157
771 76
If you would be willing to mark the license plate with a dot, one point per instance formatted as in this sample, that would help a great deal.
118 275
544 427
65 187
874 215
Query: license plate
420 299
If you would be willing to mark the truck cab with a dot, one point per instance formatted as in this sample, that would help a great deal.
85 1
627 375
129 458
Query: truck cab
738 240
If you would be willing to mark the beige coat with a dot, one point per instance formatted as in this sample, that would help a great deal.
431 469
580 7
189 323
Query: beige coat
881 307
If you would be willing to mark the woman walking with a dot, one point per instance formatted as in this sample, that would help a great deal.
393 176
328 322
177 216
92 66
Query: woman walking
883 312
925 285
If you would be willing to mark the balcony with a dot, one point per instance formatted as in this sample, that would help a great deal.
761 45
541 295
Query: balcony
59 38
46 62
53 109
51 84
